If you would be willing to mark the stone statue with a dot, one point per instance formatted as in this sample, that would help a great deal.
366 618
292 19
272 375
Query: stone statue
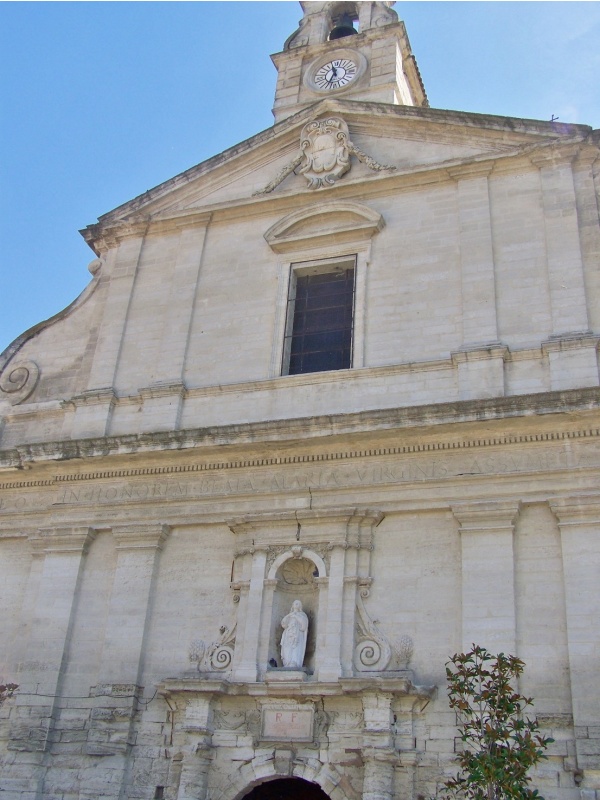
293 641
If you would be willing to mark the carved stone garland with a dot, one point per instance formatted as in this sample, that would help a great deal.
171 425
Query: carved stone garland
324 157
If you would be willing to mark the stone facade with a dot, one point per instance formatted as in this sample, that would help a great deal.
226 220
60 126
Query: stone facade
167 490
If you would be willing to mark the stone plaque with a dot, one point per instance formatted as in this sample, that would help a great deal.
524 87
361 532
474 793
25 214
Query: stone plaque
287 724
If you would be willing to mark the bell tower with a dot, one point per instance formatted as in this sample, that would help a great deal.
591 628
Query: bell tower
350 50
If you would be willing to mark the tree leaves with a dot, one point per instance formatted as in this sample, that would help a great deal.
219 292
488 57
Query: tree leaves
500 744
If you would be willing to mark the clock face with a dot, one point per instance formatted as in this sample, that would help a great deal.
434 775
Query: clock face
335 74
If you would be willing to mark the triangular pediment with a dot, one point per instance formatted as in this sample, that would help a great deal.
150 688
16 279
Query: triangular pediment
397 141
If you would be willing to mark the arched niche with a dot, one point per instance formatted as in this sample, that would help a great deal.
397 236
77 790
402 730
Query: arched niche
295 577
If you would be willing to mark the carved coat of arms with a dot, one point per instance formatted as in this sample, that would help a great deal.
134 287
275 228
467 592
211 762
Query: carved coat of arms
326 153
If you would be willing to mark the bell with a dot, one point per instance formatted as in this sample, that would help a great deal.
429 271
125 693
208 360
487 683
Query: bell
344 27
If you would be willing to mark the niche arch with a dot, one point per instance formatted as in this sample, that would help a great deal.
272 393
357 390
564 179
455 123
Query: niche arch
295 575
304 553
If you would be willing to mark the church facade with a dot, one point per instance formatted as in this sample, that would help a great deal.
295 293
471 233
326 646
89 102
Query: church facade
326 414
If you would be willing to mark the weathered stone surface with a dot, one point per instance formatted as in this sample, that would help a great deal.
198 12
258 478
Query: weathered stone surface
167 491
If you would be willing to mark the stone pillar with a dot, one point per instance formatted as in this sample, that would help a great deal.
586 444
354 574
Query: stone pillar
480 360
328 660
93 411
480 372
378 753
163 399
476 256
269 584
196 762
579 524
248 638
488 574
571 356
62 550
120 668
565 266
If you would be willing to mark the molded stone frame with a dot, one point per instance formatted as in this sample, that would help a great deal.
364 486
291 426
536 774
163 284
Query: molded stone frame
339 542
318 236
300 270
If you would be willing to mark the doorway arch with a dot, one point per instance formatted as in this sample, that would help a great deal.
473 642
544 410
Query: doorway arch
286 789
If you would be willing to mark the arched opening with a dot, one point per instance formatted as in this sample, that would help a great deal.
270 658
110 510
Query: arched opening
286 789
295 581
343 17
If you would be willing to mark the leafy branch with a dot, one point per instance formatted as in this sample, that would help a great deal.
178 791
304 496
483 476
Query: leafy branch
500 744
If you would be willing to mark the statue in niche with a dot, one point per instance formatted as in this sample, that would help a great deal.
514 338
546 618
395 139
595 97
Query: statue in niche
293 640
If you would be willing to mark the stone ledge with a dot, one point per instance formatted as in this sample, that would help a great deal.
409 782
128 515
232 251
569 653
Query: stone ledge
401 686
288 430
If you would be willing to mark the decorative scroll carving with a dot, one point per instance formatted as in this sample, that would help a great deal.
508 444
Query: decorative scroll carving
217 657
324 156
18 380
373 652
95 265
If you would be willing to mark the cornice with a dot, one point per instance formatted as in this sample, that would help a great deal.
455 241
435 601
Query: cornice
575 511
316 428
124 221
140 537
354 686
62 540
489 516
493 164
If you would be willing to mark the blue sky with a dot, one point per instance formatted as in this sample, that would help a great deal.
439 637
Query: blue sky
101 101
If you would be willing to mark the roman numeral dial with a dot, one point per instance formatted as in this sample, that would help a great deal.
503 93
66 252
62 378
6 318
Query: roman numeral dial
335 74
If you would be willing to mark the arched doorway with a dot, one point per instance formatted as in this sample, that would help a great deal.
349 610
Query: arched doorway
287 789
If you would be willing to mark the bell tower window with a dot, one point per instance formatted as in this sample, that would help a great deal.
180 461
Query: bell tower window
343 22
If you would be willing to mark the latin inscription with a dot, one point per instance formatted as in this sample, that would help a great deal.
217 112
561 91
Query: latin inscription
287 724
407 469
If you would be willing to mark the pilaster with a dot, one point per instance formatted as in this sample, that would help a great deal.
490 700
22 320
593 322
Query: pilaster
39 676
328 660
163 399
573 361
119 680
565 265
579 524
488 574
480 371
92 418
247 664
479 316
378 753
196 761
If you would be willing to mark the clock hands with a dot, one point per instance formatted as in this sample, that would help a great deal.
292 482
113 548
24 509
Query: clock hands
336 74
